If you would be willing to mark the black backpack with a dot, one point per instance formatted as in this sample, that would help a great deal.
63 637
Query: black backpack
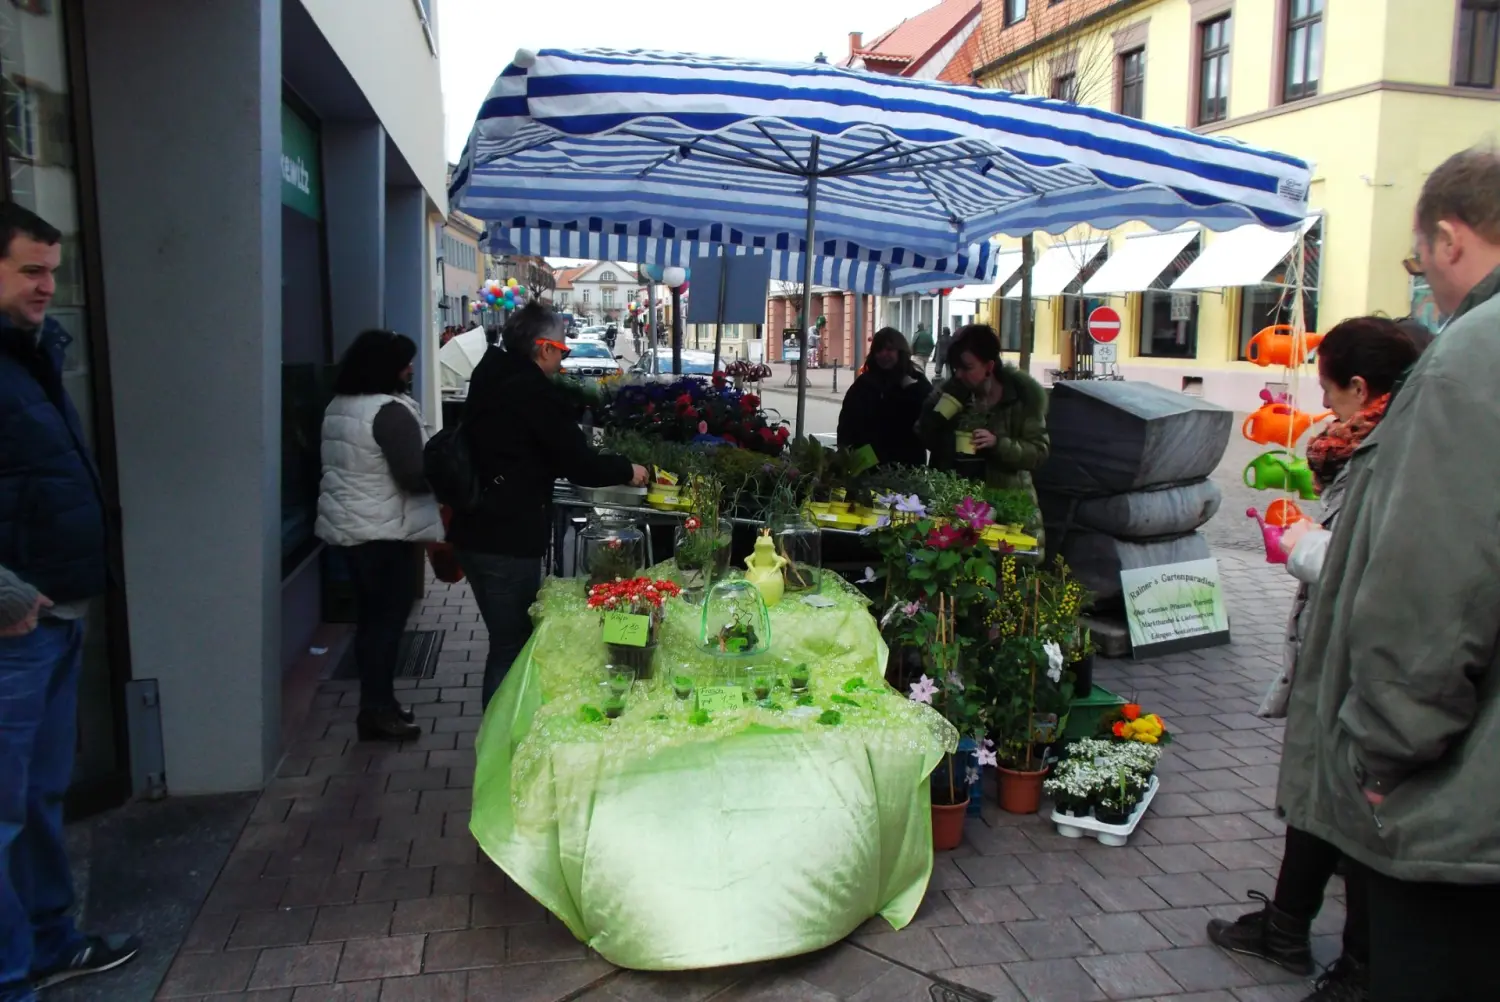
450 470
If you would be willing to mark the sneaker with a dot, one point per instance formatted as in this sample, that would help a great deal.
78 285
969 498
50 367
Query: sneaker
1345 980
97 954
1270 934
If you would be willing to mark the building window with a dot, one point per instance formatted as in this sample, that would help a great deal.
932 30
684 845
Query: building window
585 298
609 299
1133 83
562 299
1169 324
1478 42
1213 69
1065 87
1015 11
608 276
1304 49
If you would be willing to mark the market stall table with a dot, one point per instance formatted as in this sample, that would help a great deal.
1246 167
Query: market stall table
666 844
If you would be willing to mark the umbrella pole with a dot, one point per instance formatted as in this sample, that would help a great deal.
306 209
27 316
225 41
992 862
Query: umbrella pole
719 320
807 284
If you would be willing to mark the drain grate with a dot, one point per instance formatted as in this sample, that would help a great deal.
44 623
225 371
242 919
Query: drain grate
416 657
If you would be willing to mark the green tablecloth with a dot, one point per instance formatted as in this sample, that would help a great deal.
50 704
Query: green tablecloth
666 845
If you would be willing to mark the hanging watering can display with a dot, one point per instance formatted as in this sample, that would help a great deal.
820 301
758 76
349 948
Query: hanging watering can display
1279 424
1270 532
1279 470
1278 345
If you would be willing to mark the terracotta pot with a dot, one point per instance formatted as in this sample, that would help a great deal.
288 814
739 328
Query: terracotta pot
1021 792
948 825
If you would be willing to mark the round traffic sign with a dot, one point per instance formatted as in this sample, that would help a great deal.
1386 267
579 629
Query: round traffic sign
1104 324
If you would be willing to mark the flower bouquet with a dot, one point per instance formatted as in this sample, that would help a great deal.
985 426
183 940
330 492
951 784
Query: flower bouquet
632 612
1128 723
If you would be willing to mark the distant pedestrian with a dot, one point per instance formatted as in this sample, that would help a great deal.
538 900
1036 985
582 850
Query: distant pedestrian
944 341
53 561
376 506
921 347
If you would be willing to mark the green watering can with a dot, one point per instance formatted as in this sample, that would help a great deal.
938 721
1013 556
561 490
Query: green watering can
1279 470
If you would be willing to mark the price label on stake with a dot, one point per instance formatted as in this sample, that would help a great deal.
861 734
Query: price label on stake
625 629
720 697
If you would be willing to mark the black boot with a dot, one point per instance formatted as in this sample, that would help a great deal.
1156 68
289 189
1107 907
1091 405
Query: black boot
1346 980
385 725
1270 934
406 714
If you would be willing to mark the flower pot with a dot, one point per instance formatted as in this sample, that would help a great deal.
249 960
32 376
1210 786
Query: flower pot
1083 671
948 825
963 443
1021 791
639 658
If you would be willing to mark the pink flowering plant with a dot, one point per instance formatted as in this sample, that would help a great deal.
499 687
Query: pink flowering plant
940 579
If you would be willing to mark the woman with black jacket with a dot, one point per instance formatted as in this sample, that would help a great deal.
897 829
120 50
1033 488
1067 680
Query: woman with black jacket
522 435
882 405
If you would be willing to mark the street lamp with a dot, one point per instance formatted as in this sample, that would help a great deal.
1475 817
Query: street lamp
675 278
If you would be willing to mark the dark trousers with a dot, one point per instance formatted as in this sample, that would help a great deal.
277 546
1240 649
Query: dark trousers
383 579
1432 942
1306 867
504 587
38 732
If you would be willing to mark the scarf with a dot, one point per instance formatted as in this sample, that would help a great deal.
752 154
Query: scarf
1331 448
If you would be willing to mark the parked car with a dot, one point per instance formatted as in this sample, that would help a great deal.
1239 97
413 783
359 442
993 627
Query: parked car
658 362
591 360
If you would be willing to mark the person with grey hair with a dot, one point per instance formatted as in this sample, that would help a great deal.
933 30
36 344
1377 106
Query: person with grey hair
1399 668
522 435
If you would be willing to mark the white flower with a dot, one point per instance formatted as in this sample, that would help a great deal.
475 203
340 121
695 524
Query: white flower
986 756
971 776
1054 660
954 681
923 690
869 576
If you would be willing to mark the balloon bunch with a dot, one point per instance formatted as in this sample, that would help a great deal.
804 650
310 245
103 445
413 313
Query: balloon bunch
506 295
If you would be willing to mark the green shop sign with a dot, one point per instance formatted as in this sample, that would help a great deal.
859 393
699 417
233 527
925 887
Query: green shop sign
301 167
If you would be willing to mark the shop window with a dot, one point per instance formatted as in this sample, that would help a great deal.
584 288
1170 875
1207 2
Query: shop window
1133 83
1302 58
1010 323
1213 69
1169 324
1263 306
1478 43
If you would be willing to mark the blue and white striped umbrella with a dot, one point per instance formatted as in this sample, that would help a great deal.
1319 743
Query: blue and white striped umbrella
680 144
977 265
846 164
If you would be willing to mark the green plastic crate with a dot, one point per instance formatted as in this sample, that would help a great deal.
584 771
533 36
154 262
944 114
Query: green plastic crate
1085 711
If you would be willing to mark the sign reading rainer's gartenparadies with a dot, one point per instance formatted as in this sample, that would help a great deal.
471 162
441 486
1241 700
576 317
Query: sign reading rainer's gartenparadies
1175 607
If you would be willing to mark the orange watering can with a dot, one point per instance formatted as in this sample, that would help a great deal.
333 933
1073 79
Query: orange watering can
1279 424
1278 345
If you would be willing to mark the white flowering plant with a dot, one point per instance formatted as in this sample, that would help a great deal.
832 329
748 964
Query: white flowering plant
1106 776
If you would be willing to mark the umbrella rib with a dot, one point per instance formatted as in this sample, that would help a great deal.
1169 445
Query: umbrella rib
752 151
706 151
841 168
914 166
767 133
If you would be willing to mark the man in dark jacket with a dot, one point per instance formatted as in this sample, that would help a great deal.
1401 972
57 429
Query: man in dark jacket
882 405
523 435
52 561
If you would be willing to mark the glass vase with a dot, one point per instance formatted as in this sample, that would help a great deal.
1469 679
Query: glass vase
800 542
610 548
701 555
734 621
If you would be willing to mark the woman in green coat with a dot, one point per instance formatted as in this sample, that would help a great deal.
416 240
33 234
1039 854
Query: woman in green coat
1003 410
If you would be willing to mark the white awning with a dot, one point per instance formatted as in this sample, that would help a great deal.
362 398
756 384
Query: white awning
1139 262
1058 266
1007 264
1244 255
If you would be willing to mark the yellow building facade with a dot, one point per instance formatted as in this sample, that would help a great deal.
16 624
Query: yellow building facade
1375 93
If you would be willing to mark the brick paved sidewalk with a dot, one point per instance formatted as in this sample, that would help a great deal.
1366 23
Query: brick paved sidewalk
356 878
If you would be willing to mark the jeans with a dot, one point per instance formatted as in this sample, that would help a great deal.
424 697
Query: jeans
383 580
1306 866
504 587
1431 942
38 732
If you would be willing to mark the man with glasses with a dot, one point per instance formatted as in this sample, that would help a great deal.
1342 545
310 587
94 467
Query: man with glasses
1403 643
522 434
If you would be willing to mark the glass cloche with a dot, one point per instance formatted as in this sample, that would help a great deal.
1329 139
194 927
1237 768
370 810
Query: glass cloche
800 542
611 547
735 622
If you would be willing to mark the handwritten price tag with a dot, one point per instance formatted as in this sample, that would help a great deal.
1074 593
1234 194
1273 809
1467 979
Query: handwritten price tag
625 629
720 697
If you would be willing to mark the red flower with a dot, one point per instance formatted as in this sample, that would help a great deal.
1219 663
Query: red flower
782 433
749 402
1119 728
943 537
692 523
684 400
650 408
767 434
1130 711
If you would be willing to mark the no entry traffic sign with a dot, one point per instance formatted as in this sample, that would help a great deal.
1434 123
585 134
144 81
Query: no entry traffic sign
1104 324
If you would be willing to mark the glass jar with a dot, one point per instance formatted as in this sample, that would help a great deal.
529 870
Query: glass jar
800 542
611 547
701 555
735 622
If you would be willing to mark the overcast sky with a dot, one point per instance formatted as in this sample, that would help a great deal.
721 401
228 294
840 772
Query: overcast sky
477 38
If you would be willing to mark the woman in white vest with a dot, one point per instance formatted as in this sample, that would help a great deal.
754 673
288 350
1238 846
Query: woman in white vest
376 506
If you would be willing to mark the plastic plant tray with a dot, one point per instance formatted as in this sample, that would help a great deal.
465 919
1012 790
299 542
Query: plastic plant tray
1072 826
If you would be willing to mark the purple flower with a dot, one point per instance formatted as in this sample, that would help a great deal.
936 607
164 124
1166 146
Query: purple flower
987 756
910 505
923 690
911 609
977 513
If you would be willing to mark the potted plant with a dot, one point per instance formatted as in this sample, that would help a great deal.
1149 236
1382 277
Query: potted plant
639 599
738 636
1074 786
701 554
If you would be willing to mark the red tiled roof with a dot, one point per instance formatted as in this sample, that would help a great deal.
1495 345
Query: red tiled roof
565 276
914 40
960 69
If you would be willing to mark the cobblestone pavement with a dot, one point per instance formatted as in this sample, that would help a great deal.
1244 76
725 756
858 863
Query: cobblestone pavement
356 877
